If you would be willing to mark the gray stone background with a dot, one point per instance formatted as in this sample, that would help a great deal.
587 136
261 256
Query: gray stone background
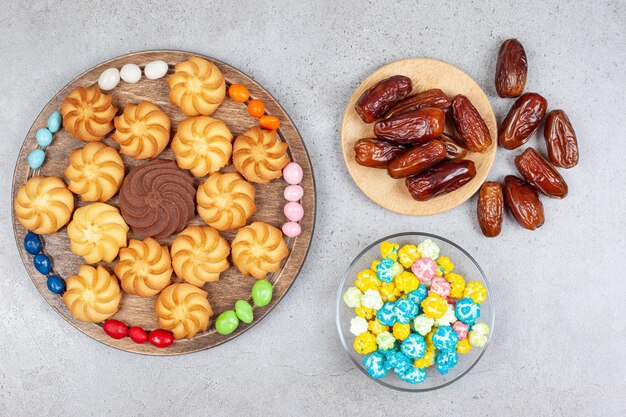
559 345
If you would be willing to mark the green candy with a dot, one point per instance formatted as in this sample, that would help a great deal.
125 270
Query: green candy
262 293
243 309
226 322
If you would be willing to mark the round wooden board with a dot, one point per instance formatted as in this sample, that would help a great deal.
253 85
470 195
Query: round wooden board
375 183
137 311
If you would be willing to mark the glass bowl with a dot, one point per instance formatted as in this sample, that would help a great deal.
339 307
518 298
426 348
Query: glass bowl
464 265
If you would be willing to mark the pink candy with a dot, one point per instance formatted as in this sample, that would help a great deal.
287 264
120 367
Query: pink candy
294 211
440 286
461 329
293 193
292 229
293 173
424 269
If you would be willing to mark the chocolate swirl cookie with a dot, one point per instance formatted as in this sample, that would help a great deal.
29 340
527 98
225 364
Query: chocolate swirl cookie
157 199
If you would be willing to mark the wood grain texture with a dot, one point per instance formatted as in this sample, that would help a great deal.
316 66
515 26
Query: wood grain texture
137 311
376 183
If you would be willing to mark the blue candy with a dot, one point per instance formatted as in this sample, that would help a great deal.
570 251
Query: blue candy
446 361
44 137
405 310
445 339
375 365
32 243
383 270
54 122
386 353
56 284
35 158
414 346
42 263
413 375
418 295
386 315
467 310
399 362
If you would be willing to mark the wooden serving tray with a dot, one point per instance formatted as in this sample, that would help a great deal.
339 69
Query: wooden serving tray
138 311
390 193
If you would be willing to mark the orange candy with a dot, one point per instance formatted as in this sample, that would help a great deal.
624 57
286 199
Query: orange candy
239 93
256 108
269 122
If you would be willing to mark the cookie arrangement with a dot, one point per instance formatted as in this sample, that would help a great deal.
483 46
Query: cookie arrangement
160 200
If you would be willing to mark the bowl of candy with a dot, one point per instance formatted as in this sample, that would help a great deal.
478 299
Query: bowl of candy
414 312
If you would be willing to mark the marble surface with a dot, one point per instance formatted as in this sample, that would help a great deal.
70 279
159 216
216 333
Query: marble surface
558 348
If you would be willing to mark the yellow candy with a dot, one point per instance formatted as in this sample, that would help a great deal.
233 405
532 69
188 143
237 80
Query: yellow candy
425 361
406 282
429 339
463 346
476 291
367 280
446 264
374 265
438 272
434 306
457 285
389 250
375 327
365 343
408 254
366 313
401 331
389 292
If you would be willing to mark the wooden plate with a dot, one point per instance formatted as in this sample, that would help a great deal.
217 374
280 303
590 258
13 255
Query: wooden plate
137 311
375 183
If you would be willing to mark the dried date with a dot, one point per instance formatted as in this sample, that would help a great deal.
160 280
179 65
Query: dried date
470 126
560 140
511 69
522 121
374 102
540 174
417 159
443 178
372 152
454 150
523 202
429 98
490 208
413 127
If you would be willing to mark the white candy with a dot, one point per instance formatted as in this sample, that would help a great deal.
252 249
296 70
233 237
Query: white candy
428 249
155 69
423 324
131 73
478 335
358 325
109 79
372 299
352 297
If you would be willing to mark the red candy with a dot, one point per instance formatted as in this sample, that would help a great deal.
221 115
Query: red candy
161 338
138 335
115 328
461 329
440 286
